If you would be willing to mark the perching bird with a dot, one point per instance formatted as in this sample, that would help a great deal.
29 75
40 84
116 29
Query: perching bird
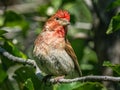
54 54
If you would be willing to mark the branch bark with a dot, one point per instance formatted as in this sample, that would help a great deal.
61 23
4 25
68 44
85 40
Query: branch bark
17 59
87 78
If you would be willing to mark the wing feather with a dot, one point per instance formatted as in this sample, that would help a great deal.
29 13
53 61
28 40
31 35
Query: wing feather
71 52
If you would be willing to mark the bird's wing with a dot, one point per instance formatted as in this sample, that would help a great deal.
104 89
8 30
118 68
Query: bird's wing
71 52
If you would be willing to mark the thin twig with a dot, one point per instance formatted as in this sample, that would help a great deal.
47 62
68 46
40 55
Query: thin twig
17 59
87 78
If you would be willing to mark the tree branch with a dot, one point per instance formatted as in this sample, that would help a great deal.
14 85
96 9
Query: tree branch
17 59
86 78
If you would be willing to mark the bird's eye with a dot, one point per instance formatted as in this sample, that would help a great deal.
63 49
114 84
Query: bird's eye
57 18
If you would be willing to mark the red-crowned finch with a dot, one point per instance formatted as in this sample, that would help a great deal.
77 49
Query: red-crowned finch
54 54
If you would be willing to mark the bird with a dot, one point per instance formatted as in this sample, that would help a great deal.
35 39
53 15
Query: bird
53 52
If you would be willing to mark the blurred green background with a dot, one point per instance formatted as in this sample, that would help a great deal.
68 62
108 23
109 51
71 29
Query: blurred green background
94 35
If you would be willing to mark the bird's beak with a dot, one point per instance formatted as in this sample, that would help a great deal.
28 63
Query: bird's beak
64 22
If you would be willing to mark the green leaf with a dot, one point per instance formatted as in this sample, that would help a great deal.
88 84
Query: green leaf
2 20
42 10
114 24
29 84
56 3
79 10
68 86
2 38
91 86
78 46
10 47
3 74
13 19
25 73
7 85
115 67
2 32
80 86
114 4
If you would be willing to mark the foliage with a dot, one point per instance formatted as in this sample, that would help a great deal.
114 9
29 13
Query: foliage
114 24
15 37
114 67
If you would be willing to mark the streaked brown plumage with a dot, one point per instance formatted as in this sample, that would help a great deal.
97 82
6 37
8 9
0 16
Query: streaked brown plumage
54 54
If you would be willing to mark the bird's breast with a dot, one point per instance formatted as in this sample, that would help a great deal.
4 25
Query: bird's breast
57 62
47 43
52 57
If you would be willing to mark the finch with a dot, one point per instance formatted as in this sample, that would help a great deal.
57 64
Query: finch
53 53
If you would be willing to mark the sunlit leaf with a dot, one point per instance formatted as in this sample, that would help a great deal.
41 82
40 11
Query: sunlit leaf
1 20
10 47
115 67
29 84
114 24
89 55
86 66
79 10
91 86
69 86
56 3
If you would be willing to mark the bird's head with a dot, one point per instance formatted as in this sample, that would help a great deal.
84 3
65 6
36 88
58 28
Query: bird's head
62 17
58 23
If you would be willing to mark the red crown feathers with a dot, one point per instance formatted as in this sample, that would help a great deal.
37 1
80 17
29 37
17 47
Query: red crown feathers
63 14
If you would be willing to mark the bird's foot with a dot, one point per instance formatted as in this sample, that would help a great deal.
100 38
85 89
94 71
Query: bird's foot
56 79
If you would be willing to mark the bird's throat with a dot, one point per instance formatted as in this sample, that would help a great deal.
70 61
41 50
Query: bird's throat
61 32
